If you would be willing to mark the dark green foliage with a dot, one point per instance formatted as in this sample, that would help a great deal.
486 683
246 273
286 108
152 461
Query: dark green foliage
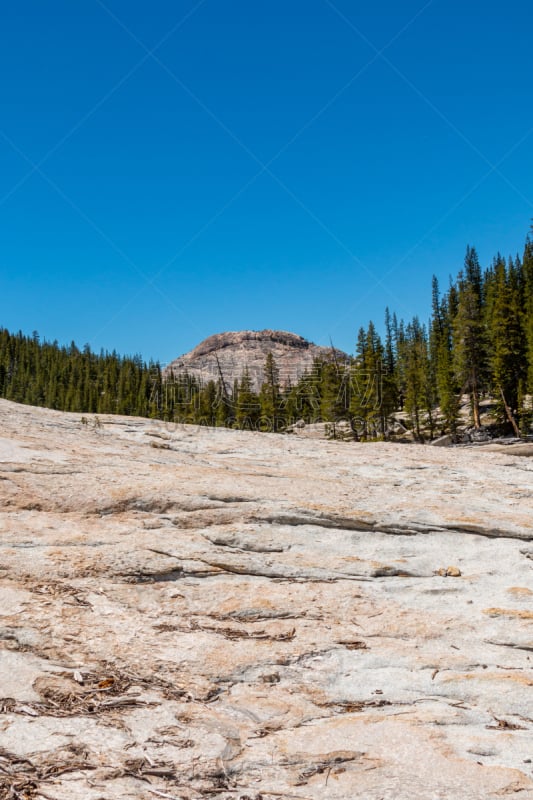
247 405
527 264
418 377
441 359
505 330
479 341
470 335
69 379
270 397
366 385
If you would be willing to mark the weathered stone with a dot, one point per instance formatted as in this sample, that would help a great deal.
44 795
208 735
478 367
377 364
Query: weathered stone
443 441
453 572
232 352
257 615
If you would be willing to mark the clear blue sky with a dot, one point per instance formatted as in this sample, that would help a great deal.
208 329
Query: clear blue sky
294 164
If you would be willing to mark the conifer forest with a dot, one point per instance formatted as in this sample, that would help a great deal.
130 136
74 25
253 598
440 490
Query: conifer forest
477 344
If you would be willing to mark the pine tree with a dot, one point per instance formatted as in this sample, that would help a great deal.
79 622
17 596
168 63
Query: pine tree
368 411
419 397
507 340
469 335
270 396
248 409
305 398
440 353
527 265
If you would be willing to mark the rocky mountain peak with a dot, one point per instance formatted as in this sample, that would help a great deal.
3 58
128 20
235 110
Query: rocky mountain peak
232 352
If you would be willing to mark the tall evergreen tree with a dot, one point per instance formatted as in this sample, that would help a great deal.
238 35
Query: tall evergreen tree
441 360
507 341
248 408
527 264
469 335
270 396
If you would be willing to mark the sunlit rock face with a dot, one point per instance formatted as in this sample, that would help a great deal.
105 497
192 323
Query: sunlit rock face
189 612
229 354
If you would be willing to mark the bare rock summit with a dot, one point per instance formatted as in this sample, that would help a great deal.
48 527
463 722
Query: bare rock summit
234 351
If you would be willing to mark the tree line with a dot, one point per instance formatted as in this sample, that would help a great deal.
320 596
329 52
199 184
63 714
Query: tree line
70 379
478 341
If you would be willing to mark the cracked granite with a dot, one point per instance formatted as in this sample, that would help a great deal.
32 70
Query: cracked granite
189 613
